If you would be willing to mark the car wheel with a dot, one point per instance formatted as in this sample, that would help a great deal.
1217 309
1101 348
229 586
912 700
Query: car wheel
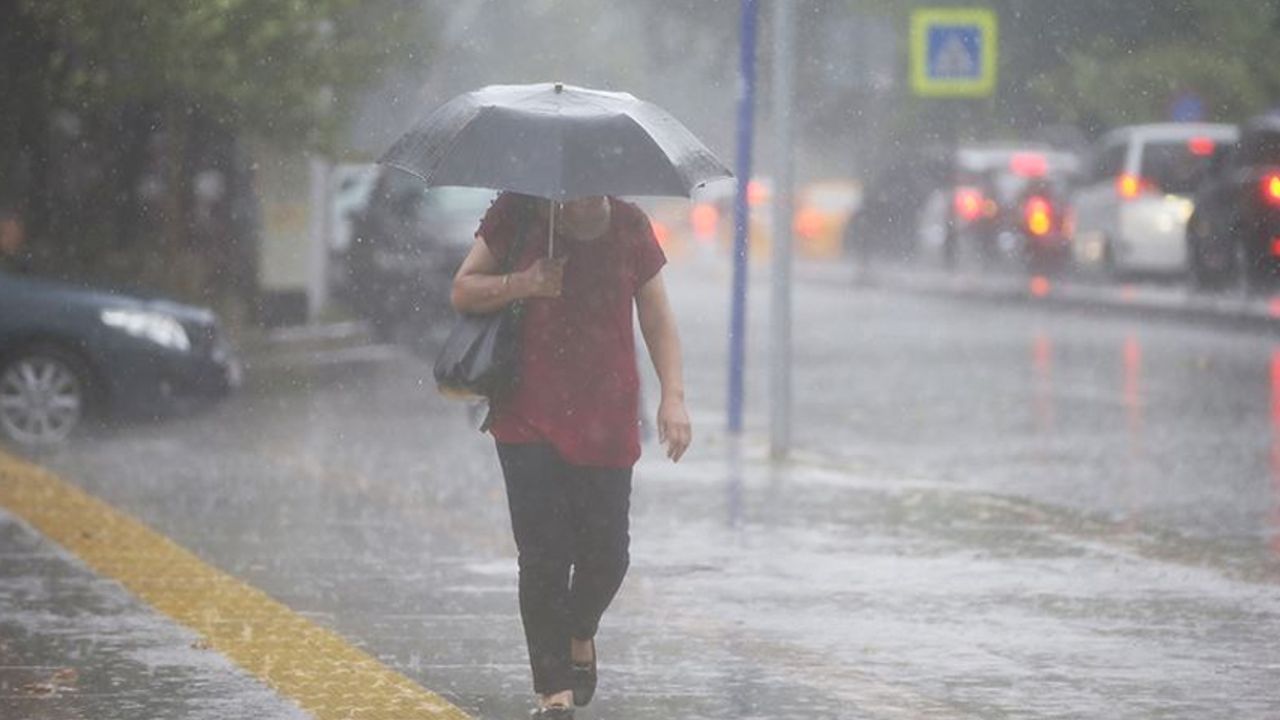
1215 268
1215 265
1111 269
43 394
1257 271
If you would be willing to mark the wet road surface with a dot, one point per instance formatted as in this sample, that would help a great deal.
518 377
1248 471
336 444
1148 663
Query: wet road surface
993 512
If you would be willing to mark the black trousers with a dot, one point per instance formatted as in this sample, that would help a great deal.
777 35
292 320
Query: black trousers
571 529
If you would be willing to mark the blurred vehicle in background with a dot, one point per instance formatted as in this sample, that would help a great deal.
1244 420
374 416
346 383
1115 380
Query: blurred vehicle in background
1004 202
703 224
888 219
821 209
1041 228
932 223
1008 202
1234 231
1131 211
350 187
66 352
408 243
671 223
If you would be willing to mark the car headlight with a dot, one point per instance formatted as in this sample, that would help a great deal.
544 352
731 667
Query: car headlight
159 328
1185 209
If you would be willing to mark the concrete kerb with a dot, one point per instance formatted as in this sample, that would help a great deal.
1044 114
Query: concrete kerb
327 345
1236 310
317 336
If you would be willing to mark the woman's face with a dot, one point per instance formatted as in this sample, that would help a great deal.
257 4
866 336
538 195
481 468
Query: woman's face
586 218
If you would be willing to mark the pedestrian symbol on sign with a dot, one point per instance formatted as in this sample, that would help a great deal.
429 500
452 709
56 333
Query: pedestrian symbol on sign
953 52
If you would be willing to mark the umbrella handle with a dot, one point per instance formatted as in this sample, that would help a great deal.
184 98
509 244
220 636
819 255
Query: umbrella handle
551 230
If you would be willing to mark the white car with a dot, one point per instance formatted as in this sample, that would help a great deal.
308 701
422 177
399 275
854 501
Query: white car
1130 213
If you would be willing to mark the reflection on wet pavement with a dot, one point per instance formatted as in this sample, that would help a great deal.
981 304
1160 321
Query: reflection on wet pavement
1042 392
1275 452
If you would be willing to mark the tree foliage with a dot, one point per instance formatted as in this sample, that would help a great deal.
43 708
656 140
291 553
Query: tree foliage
125 120
1127 68
271 67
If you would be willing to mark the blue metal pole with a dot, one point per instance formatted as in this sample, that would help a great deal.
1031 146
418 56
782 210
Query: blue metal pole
746 118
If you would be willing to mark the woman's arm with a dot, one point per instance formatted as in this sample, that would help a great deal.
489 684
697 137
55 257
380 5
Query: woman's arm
479 288
658 325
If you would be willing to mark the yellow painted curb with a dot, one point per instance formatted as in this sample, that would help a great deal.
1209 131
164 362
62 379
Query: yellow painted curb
310 664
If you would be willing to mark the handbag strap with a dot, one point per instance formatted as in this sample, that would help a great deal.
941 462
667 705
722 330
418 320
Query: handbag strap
513 253
516 309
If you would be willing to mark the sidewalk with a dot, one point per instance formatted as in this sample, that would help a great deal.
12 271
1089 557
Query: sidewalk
76 645
757 591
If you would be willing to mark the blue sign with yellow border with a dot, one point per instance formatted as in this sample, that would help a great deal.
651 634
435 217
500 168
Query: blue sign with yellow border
953 52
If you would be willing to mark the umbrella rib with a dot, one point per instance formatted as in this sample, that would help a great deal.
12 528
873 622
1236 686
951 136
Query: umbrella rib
712 168
448 147
601 104
680 175
445 147
657 113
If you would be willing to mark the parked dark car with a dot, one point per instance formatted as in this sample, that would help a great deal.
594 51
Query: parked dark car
1234 231
66 352
408 244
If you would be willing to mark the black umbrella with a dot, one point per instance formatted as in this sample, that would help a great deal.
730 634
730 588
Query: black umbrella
555 141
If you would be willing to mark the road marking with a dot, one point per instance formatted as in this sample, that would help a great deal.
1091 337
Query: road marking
303 661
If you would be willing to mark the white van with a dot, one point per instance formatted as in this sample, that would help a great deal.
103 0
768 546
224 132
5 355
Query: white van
1130 213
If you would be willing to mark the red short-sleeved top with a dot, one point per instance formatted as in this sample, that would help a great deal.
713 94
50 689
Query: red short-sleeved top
579 385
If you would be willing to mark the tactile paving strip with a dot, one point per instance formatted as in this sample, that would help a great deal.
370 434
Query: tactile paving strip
310 664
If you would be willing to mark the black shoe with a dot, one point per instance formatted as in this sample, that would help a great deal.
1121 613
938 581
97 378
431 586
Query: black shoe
584 679
555 712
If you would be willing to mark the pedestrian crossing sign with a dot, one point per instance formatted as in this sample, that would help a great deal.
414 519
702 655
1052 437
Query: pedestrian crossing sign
953 52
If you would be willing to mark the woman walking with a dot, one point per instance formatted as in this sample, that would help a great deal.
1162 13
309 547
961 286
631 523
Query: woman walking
567 435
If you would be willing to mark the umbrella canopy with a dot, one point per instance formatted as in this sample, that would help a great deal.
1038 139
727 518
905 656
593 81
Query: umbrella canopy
555 141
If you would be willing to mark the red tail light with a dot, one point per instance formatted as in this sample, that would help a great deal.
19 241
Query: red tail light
1130 186
1271 188
1030 165
705 218
1038 215
661 232
1040 286
968 203
808 224
1201 146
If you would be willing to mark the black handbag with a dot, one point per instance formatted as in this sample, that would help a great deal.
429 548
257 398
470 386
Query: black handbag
480 359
